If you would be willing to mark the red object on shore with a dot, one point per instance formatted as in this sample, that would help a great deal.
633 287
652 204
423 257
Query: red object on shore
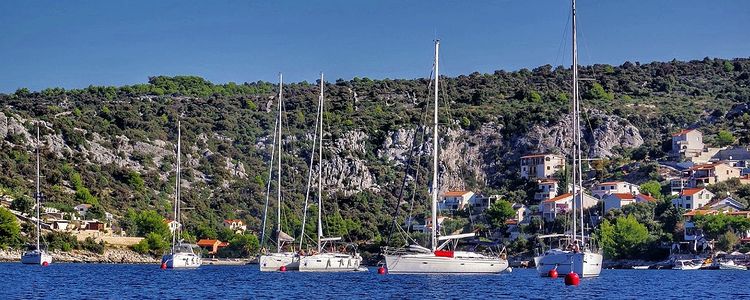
45 264
163 266
443 253
552 273
381 271
282 268
572 279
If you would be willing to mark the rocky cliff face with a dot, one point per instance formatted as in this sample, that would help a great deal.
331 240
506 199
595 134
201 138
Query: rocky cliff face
601 133
466 155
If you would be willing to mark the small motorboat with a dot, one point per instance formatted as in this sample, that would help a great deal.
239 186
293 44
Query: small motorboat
730 265
641 267
685 264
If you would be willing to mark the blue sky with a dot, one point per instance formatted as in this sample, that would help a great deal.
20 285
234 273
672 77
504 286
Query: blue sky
73 44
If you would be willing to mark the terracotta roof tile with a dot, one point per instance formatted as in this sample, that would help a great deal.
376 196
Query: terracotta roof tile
563 196
690 192
455 193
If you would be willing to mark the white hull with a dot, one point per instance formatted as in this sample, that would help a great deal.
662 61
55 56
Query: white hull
685 265
586 264
731 266
330 262
274 261
429 263
181 261
36 257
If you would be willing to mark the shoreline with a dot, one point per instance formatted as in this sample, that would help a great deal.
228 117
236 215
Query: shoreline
110 256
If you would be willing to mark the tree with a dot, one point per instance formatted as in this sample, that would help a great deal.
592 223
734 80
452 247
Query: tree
153 244
724 138
23 204
598 92
10 231
728 66
95 212
727 241
652 188
150 221
498 213
625 239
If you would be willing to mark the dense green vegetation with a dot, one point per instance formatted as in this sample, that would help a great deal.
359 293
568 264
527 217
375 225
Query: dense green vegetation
233 122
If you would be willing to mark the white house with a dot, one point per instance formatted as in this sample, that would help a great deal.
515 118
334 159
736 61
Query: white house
618 200
687 143
81 209
541 165
603 189
546 189
480 203
563 204
522 213
235 225
172 224
456 200
693 198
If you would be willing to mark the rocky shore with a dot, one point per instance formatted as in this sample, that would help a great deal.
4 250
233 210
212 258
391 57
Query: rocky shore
110 256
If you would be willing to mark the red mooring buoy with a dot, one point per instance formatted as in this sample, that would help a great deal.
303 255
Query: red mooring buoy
45 264
572 279
552 273
163 266
282 268
381 271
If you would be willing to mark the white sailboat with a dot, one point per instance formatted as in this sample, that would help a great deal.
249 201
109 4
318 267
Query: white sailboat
37 256
579 257
326 261
279 260
438 259
181 255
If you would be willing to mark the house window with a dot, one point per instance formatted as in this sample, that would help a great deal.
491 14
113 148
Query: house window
687 205
547 158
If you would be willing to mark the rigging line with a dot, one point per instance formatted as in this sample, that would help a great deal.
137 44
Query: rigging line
270 178
309 177
564 37
403 186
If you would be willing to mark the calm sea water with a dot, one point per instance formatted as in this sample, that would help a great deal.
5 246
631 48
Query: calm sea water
98 281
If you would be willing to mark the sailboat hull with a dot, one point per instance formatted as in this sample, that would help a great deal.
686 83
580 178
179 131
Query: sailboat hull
36 257
586 264
274 261
181 261
428 263
330 262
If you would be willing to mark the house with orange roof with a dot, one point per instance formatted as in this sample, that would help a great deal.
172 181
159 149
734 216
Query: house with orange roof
172 225
687 143
456 200
704 174
235 225
693 233
212 246
541 166
618 200
563 204
693 198
601 190
546 189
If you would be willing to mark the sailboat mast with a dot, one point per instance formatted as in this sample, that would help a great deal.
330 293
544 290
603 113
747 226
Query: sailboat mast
268 185
278 174
38 194
579 131
176 189
320 167
433 237
577 175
